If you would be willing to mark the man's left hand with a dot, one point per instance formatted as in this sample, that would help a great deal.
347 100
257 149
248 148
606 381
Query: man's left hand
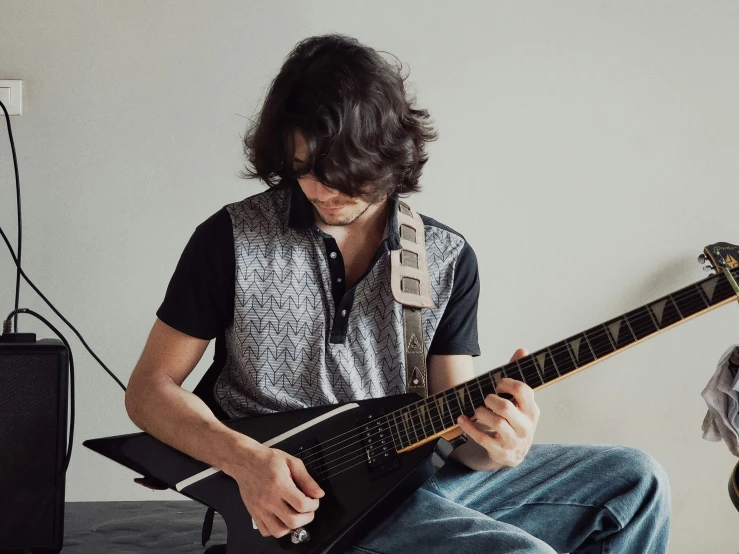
505 428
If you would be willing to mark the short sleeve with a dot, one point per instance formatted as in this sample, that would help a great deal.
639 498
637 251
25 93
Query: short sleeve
200 296
457 329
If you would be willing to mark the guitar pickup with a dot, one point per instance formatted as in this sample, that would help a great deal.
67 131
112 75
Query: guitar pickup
379 449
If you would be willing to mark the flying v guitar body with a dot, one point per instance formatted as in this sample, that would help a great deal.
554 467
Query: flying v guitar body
363 477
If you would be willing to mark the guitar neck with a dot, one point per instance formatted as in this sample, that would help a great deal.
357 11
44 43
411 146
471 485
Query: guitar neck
436 415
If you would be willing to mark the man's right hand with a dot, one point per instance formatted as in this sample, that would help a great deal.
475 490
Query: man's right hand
276 489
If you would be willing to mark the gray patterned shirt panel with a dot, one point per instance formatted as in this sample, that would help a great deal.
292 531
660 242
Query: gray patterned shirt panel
278 353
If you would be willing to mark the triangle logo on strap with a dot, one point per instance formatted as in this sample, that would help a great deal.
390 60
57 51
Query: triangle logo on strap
413 342
416 377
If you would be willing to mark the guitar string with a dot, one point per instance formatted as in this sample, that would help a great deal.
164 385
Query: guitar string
362 453
422 425
600 332
332 466
553 373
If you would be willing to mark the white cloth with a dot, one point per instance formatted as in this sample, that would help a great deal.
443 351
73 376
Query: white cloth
722 398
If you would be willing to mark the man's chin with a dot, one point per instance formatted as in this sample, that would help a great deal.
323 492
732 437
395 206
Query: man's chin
336 220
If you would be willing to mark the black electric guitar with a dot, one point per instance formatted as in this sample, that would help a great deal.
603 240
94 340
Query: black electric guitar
370 455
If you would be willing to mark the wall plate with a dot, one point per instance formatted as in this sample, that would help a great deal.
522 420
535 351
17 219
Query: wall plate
11 94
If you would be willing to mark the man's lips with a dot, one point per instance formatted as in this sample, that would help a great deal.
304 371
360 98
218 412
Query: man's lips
331 209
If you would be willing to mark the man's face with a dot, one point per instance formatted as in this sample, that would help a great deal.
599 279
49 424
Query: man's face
332 207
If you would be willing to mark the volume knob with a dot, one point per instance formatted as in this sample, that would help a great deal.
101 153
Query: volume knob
299 535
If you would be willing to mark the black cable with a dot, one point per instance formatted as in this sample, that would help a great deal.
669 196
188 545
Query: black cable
21 272
57 313
18 201
71 379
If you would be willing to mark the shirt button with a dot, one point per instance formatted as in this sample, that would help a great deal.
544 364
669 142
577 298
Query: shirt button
343 313
333 255
338 279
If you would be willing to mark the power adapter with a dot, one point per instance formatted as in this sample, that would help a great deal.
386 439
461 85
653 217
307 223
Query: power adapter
18 337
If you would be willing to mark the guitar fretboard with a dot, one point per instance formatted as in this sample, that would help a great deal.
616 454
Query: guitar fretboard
436 414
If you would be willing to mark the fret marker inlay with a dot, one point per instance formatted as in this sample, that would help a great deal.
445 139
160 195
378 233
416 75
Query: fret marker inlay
541 358
658 308
575 345
460 394
440 403
614 328
709 287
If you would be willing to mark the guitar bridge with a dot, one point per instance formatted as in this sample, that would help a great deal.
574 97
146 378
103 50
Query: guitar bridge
379 449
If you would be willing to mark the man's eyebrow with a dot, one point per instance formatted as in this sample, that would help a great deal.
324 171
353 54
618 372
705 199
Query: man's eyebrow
298 160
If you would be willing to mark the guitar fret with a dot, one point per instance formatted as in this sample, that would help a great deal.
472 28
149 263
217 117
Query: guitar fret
600 341
562 358
647 325
571 354
628 325
429 416
540 370
442 403
390 427
675 304
482 393
530 372
397 426
590 346
405 428
433 414
409 417
420 417
689 301
554 362
456 401
473 405
518 366
608 335
703 295
651 316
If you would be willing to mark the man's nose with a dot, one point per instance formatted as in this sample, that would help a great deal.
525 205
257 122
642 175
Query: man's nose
324 193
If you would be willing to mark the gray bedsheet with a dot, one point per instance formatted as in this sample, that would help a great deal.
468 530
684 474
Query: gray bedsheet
133 527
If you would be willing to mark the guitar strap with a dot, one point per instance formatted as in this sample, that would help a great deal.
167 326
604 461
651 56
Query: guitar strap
411 286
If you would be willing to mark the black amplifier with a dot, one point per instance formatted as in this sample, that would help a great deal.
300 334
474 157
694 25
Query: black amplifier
33 441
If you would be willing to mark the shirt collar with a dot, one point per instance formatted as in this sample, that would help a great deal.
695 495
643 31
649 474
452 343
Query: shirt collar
301 216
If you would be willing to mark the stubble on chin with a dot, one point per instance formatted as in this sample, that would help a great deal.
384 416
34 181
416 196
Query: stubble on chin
343 221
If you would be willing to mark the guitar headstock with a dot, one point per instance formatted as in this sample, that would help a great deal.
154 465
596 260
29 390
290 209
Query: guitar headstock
719 256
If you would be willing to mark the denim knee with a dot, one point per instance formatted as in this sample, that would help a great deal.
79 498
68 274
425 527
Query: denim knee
645 474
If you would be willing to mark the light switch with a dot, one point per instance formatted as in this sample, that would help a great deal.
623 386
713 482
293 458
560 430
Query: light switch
11 94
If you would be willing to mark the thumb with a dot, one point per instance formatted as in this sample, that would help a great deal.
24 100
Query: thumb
518 354
303 480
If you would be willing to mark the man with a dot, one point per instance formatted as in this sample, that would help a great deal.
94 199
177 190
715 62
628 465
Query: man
294 284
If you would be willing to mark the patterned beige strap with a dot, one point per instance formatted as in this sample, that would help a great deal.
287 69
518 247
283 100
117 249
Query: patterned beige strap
409 274
411 286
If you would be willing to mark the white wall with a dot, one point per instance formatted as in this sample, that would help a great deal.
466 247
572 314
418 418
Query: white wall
587 152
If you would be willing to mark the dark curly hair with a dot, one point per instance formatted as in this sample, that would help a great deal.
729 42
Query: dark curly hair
365 137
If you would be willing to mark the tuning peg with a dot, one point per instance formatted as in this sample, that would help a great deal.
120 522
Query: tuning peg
707 268
702 259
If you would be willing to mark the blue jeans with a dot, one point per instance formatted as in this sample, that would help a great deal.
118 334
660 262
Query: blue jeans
561 498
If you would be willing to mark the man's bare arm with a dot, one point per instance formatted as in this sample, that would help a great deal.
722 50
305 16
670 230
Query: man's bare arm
157 403
275 487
